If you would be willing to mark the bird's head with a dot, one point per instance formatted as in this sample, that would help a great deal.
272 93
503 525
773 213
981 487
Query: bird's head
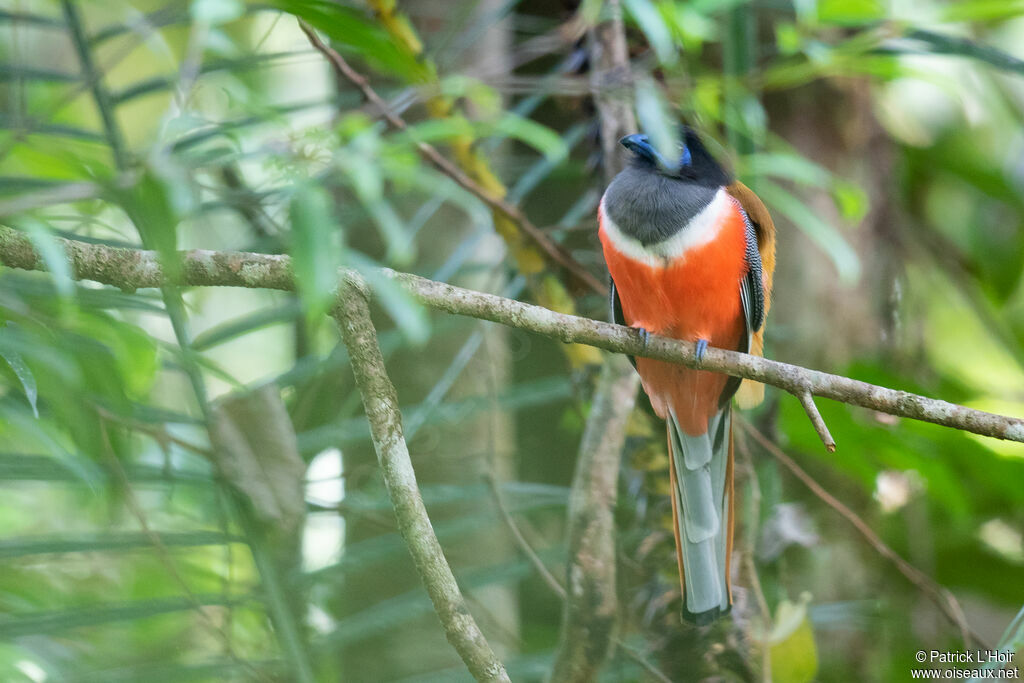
658 194
692 161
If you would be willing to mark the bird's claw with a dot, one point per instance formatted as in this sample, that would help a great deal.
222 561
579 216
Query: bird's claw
644 334
702 348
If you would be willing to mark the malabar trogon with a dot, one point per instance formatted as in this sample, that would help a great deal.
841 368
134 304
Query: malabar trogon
691 253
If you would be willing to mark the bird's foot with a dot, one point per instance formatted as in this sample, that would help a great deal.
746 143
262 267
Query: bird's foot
702 348
643 333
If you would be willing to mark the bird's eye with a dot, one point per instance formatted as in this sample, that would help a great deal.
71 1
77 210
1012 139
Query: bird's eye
685 159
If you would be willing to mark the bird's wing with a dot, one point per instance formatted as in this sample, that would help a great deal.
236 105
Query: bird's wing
615 310
756 288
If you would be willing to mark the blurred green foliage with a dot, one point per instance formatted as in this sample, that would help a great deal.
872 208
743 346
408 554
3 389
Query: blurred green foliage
885 138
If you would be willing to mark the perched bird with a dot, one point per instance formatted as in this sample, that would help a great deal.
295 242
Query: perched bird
691 254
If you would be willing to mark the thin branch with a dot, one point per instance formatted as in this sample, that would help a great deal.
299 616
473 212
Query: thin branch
380 402
807 401
158 434
95 79
164 555
552 582
130 269
287 626
552 250
940 595
524 545
766 616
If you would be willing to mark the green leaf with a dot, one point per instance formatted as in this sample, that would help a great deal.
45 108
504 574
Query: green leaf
1012 639
172 671
653 114
786 166
11 548
508 125
239 327
790 640
63 466
386 614
650 21
20 369
820 231
54 256
408 314
983 10
38 468
939 43
58 621
788 38
355 34
851 201
154 205
316 247
537 135
215 12
125 356
850 12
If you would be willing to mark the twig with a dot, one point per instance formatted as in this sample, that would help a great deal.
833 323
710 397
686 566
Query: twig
766 617
134 268
95 79
591 610
639 658
164 555
287 628
521 541
552 582
160 435
555 252
380 402
807 401
940 595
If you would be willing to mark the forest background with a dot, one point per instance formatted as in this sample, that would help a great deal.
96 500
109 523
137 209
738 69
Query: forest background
190 489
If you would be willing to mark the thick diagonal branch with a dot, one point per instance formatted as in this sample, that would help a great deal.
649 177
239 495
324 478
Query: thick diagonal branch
381 404
133 268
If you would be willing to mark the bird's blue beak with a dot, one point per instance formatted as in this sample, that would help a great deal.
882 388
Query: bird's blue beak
641 145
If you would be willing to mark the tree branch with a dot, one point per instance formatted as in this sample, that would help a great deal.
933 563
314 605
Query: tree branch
591 607
807 401
552 582
381 405
590 615
133 268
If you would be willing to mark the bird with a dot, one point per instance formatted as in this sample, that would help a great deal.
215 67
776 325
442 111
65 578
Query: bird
691 254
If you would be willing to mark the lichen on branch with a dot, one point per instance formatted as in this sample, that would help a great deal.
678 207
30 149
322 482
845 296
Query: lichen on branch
135 268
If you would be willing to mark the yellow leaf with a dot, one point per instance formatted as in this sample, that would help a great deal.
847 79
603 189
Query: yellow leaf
790 642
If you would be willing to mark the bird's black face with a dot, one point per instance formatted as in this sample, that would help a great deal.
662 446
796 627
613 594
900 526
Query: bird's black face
693 163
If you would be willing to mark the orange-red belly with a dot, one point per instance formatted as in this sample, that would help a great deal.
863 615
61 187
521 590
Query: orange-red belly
695 296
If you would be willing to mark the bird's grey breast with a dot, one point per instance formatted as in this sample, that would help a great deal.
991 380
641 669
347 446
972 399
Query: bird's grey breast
651 207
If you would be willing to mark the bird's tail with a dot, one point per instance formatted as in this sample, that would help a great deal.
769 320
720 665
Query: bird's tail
700 468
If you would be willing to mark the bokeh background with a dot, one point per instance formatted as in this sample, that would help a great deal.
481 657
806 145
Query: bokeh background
885 138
